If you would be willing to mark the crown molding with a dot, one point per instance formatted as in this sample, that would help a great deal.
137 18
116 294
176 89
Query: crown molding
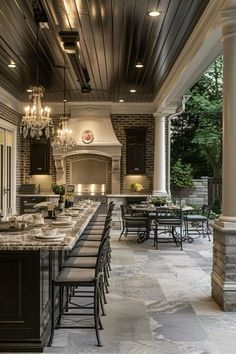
10 101
76 109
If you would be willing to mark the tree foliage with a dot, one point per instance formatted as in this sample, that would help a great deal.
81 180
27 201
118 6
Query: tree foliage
181 176
197 134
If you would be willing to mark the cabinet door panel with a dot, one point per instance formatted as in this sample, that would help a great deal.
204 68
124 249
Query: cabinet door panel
135 157
39 158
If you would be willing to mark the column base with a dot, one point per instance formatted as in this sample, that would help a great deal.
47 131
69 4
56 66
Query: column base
223 277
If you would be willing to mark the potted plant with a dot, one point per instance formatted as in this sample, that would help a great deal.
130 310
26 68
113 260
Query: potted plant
59 189
158 201
181 178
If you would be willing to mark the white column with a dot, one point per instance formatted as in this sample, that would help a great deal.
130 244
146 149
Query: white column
159 178
228 24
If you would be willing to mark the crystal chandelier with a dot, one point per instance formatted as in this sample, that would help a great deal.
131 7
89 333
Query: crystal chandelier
37 119
63 140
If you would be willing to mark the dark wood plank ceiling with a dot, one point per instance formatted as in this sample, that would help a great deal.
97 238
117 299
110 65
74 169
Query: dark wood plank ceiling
114 36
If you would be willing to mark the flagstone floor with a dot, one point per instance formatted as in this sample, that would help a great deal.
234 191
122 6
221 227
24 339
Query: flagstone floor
159 302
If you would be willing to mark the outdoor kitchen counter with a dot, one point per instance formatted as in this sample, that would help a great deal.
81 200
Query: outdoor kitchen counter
27 267
26 241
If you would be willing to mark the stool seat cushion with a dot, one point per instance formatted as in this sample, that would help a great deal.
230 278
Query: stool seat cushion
85 243
84 251
90 237
92 232
76 275
80 262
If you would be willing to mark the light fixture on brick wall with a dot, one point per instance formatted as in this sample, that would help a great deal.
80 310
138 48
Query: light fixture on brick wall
63 139
36 120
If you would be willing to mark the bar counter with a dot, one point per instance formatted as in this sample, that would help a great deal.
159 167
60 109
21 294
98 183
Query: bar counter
27 266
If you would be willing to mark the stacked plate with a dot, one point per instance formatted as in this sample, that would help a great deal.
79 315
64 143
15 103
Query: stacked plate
62 223
52 238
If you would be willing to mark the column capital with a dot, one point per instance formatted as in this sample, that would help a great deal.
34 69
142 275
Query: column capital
165 112
228 20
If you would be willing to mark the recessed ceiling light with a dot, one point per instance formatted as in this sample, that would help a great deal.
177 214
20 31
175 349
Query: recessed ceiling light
12 64
154 13
132 90
121 101
29 90
139 65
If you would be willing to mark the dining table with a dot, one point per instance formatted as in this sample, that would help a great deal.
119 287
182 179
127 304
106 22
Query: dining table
150 210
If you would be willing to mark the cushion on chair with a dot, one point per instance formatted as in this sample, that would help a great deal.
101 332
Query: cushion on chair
84 251
195 218
85 243
92 232
90 237
76 275
80 262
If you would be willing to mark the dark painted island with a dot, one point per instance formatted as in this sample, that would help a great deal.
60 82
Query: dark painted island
27 266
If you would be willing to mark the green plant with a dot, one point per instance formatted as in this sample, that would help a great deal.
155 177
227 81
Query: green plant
158 201
181 176
58 188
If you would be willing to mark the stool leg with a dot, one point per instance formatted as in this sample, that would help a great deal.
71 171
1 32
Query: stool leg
96 313
52 318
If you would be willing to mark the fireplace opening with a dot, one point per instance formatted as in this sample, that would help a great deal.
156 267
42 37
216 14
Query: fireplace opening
90 173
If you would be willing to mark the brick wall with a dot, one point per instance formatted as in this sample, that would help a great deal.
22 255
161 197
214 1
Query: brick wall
121 122
13 117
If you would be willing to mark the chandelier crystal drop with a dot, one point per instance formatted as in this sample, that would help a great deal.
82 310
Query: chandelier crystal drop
63 140
36 119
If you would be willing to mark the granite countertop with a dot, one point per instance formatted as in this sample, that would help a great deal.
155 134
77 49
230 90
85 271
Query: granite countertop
39 195
127 195
26 241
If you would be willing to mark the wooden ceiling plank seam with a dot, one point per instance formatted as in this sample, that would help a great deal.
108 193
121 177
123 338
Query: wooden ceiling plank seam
120 50
130 42
82 39
103 41
107 47
173 33
94 43
72 82
152 45
137 58
92 35
180 47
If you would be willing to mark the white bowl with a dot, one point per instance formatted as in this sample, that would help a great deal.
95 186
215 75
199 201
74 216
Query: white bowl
49 231
64 218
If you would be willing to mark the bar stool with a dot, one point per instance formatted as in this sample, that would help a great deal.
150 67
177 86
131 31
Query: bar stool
71 278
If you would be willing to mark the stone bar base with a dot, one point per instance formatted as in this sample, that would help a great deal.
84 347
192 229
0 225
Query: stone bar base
224 268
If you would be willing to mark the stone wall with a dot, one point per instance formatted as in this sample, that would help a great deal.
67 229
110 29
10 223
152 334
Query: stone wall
197 196
121 122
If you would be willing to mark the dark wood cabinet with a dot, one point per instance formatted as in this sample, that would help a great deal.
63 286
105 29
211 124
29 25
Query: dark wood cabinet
135 150
40 157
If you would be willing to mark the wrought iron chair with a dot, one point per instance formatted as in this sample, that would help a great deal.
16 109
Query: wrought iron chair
132 222
169 223
197 224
